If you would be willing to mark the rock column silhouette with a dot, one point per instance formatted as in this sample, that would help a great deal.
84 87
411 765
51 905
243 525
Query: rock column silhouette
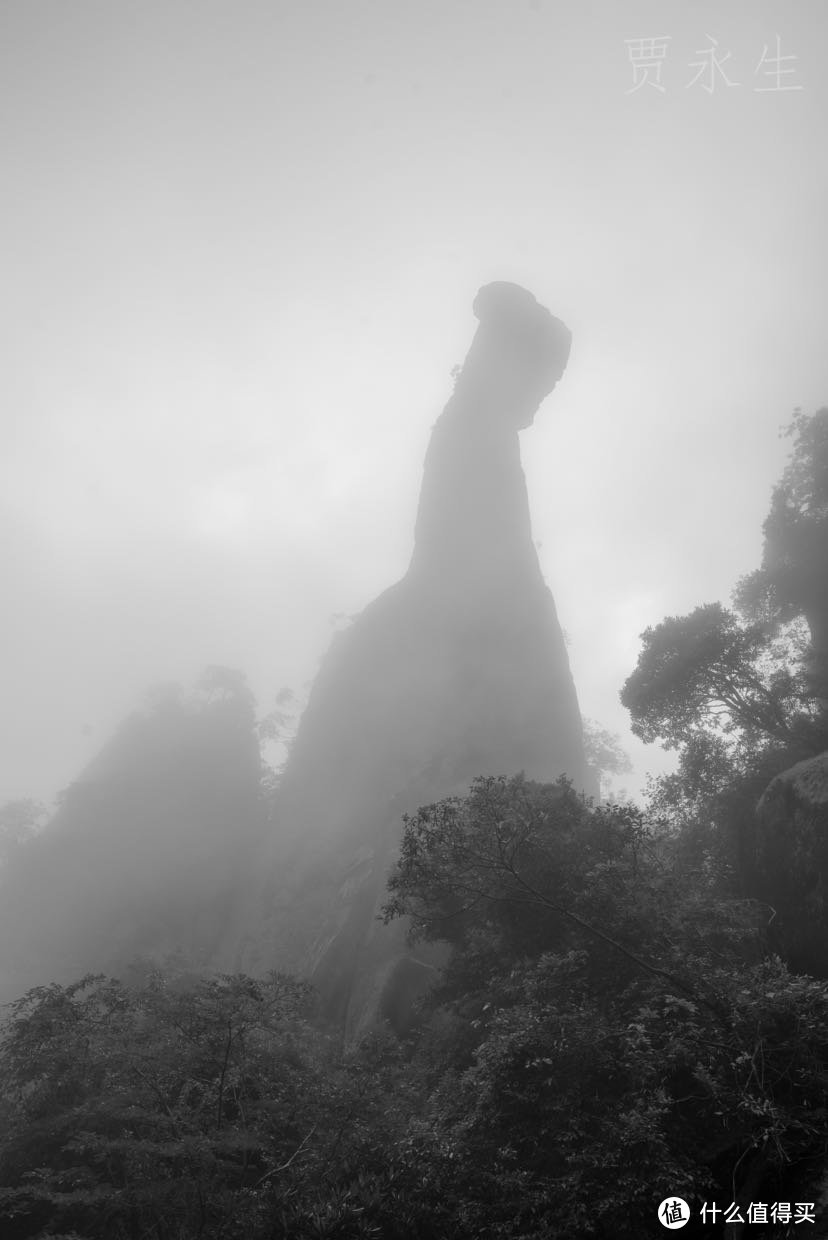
458 670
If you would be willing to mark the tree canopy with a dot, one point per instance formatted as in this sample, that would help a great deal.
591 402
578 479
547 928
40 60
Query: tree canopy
793 578
191 1108
708 670
619 1017
599 1028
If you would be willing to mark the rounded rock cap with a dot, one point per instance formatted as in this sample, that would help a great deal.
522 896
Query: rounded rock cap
507 302
504 306
513 319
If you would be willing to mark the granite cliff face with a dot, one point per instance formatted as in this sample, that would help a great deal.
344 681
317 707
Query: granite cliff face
458 670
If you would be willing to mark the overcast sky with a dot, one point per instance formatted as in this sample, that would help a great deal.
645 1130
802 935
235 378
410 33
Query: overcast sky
241 245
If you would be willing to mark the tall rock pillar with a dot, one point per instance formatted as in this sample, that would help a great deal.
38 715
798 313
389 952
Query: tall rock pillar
458 670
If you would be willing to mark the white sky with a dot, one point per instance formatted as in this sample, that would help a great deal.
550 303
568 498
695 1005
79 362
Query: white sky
241 244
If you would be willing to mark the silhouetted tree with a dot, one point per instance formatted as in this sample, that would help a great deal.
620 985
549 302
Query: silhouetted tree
793 578
606 1025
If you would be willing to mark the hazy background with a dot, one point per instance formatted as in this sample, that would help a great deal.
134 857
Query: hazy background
241 241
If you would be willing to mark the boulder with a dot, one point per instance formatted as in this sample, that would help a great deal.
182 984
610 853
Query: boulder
792 860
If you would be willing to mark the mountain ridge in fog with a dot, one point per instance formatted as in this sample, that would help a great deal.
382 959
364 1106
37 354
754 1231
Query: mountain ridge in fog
458 670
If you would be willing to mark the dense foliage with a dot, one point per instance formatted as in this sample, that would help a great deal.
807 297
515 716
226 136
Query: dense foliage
179 1106
622 1016
793 578
609 1030
740 694
609 1026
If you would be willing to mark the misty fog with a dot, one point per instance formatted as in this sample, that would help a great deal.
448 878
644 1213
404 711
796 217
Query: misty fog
382 382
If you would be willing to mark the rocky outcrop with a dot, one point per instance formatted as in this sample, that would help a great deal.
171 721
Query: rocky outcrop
792 860
151 848
458 670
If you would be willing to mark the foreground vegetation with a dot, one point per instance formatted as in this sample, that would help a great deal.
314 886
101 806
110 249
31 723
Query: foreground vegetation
635 1004
609 1030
